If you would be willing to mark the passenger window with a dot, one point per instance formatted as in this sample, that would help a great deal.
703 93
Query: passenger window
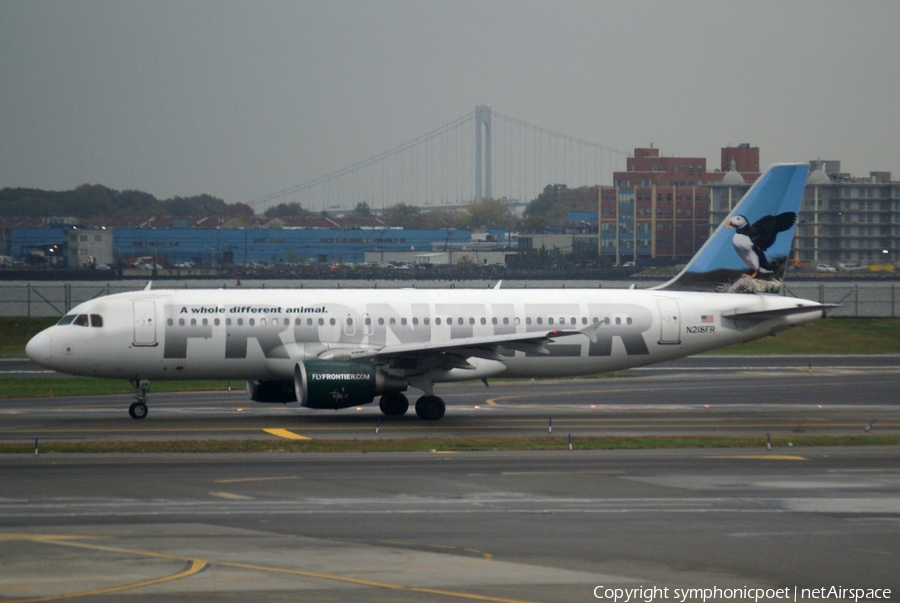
81 320
96 320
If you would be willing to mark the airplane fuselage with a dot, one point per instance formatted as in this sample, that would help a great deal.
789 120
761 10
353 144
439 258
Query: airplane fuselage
261 334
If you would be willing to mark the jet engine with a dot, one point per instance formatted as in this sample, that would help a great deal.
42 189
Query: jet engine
281 391
337 384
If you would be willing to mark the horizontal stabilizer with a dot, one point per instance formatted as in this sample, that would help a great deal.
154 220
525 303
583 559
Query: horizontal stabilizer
761 315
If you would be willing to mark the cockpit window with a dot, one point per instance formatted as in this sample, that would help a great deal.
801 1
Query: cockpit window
65 320
96 320
81 320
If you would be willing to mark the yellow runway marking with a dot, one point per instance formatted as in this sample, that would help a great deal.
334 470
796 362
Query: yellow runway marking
863 470
230 496
241 480
198 565
284 433
587 472
761 457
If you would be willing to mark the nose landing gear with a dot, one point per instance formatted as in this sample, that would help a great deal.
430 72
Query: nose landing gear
138 409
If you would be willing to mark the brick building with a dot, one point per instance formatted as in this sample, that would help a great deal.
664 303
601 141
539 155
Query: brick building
660 206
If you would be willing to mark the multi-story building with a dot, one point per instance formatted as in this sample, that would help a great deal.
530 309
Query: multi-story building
843 219
660 206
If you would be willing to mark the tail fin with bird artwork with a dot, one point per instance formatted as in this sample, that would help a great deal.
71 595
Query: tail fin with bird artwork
748 252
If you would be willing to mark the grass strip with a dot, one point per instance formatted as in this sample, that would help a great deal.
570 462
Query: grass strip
28 387
545 443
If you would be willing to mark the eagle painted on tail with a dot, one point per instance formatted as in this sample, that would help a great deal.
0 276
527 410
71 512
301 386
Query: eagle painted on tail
751 242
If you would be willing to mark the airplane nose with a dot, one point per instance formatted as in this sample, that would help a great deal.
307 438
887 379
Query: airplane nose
38 349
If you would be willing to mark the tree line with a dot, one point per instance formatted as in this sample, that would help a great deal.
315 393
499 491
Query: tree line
550 207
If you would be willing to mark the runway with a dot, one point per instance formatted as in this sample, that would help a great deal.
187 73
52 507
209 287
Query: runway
491 526
710 395
430 527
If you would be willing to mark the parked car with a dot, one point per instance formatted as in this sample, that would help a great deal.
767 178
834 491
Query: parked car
825 268
852 266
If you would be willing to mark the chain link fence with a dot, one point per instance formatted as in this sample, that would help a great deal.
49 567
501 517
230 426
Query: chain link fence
856 300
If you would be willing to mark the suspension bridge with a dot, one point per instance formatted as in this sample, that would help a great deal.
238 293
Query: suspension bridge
481 155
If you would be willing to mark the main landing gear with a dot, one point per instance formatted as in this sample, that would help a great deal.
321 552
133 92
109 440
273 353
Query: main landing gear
428 407
138 409
394 404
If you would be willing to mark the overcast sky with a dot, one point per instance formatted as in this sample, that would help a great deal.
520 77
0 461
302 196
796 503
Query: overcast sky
241 99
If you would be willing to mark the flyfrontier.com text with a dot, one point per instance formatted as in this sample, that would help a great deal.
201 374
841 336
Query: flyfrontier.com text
795 594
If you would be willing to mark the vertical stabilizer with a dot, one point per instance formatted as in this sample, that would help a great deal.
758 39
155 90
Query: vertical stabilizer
749 251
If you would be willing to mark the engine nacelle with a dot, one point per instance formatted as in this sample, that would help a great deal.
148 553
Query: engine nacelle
281 391
337 384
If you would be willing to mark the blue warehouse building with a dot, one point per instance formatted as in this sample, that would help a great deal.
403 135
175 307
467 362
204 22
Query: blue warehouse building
218 246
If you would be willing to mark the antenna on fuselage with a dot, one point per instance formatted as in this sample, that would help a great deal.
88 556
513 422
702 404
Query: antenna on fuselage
497 286
149 284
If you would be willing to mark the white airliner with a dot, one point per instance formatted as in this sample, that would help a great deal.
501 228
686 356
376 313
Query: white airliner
331 349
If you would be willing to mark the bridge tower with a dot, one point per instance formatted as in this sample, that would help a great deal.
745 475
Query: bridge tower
482 153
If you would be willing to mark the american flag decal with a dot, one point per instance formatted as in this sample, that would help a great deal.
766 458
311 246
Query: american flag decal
707 318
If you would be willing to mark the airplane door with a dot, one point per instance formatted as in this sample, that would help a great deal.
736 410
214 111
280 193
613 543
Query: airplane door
670 321
144 322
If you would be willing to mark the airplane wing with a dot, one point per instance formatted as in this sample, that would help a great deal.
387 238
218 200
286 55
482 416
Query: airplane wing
452 353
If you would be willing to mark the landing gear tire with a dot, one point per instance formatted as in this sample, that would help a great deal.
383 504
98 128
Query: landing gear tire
394 404
430 408
138 410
